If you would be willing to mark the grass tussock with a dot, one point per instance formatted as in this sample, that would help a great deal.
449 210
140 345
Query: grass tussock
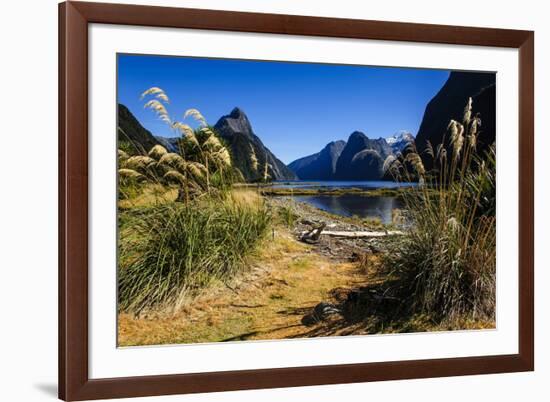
445 265
145 195
287 214
184 247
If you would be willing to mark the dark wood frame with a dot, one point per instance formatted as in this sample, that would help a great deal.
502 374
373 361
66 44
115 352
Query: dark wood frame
74 17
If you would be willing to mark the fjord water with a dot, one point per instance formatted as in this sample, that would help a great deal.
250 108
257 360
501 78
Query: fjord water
332 185
355 205
350 204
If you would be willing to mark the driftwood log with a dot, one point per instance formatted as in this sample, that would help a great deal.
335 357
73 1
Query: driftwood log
314 234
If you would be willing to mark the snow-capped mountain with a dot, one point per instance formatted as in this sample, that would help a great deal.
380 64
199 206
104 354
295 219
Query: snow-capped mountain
400 140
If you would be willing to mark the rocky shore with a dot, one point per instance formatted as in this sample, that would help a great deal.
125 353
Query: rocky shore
339 249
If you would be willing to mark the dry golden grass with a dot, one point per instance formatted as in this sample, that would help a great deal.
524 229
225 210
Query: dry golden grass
151 194
195 114
246 197
157 152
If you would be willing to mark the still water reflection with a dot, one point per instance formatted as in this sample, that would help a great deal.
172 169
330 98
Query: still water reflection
350 205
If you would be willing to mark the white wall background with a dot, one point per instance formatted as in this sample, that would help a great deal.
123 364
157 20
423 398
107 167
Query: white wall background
28 199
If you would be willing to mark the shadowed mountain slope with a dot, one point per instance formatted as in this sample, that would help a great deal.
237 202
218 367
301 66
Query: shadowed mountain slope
131 132
355 163
319 166
449 104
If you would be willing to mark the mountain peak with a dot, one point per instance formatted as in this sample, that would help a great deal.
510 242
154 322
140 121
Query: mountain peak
338 143
249 154
237 113
234 122
321 165
400 140
401 135
348 168
357 134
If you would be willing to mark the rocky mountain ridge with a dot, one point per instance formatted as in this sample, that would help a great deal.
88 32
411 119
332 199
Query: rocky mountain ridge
358 158
321 165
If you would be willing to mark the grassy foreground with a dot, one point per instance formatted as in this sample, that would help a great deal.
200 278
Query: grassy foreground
286 280
278 281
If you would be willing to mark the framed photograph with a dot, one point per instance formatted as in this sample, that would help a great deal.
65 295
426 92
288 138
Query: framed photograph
260 200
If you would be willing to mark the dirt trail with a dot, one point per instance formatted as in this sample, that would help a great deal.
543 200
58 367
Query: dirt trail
275 299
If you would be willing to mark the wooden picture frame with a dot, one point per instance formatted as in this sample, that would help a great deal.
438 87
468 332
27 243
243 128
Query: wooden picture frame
74 381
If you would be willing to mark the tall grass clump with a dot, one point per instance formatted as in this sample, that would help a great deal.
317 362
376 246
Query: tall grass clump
189 245
202 163
445 264
201 153
287 215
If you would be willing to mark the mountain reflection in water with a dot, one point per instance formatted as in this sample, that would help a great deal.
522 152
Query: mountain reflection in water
355 205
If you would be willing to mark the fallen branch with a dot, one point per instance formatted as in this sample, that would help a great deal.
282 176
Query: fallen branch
312 236
247 305
356 234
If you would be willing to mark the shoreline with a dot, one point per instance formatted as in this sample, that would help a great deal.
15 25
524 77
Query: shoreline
380 192
269 190
342 249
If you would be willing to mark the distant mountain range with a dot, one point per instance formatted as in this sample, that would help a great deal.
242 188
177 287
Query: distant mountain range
362 158
358 158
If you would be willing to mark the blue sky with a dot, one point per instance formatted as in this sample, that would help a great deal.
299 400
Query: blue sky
295 108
